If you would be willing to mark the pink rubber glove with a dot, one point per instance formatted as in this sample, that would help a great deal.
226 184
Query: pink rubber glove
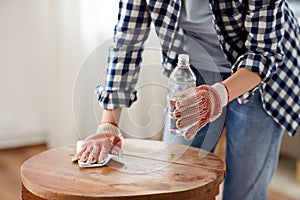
97 147
198 106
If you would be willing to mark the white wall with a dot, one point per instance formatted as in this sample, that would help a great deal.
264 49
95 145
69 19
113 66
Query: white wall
43 44
52 53
26 57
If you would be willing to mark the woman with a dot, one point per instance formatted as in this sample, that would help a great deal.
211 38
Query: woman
258 82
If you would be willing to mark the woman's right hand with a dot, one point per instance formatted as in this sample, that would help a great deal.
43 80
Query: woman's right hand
97 147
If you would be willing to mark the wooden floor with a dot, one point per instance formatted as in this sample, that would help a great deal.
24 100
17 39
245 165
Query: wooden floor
10 162
12 159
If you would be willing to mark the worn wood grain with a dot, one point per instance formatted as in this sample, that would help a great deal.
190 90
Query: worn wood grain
152 170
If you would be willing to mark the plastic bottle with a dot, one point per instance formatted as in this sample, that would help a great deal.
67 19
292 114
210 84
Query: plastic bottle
181 78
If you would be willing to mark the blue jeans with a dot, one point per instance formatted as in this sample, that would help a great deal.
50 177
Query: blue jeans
252 147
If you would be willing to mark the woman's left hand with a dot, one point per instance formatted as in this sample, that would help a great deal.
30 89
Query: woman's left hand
198 106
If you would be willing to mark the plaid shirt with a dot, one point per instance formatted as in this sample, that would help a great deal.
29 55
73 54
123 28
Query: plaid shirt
260 35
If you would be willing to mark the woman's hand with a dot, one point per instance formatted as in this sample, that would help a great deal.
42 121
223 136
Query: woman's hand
97 147
198 106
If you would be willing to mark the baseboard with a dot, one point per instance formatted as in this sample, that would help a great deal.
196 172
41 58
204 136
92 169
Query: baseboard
13 140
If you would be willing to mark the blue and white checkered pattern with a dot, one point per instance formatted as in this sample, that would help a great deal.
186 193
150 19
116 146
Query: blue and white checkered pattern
260 35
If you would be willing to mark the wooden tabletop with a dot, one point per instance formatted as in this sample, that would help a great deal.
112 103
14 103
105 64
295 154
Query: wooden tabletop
152 170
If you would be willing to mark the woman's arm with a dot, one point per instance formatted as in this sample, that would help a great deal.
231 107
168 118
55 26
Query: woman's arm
111 116
242 81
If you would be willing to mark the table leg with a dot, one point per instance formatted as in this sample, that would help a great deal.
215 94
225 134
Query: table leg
205 198
220 149
298 170
27 195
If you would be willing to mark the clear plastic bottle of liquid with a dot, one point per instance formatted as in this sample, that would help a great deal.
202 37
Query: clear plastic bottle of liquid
181 78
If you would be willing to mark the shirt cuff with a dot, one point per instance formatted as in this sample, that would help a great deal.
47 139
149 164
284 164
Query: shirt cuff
110 100
263 65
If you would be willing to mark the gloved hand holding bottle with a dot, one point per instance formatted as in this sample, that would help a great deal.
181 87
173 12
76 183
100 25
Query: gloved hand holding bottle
198 106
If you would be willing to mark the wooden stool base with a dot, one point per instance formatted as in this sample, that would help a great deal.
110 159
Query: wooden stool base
27 195
298 171
153 170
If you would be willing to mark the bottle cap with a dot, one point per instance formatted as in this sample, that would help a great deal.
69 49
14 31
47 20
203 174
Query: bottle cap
183 59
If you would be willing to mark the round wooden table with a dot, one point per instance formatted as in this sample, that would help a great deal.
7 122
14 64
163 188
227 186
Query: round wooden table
151 170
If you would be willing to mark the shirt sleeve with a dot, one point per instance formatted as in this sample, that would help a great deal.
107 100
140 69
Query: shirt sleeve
264 23
124 58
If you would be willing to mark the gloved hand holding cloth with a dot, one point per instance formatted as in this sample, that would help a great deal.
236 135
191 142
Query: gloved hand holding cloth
198 106
96 147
